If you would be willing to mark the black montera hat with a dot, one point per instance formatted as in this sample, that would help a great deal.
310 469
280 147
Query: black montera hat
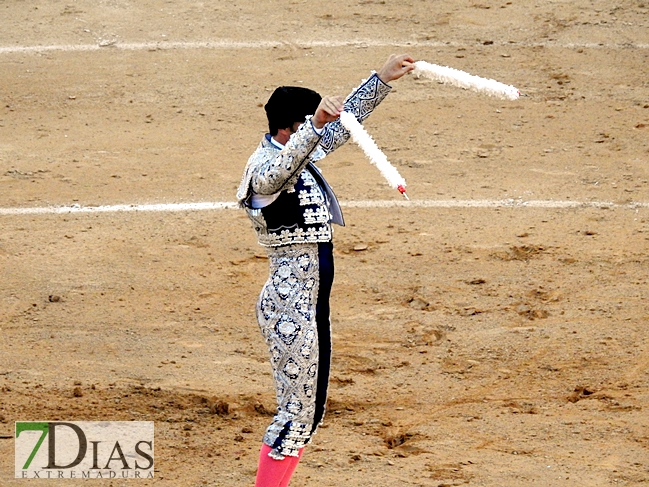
290 104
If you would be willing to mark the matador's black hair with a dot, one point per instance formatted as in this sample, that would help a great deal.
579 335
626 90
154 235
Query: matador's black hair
290 104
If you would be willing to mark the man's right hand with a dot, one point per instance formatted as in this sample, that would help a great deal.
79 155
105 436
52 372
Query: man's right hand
328 110
395 67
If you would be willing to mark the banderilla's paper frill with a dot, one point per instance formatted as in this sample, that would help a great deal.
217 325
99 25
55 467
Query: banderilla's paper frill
462 79
372 151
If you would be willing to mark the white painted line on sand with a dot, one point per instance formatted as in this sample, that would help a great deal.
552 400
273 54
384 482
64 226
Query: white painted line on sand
262 44
162 207
507 203
228 205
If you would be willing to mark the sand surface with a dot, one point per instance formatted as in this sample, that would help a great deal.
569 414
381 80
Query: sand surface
478 340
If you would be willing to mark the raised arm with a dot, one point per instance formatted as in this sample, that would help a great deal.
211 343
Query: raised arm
273 170
365 98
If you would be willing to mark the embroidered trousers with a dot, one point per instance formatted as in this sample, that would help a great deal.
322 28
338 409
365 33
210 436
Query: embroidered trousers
293 315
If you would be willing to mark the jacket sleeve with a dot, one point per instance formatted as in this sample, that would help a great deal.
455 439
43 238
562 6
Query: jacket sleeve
277 171
360 102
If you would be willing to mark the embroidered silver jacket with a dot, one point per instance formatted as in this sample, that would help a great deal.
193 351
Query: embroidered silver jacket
270 171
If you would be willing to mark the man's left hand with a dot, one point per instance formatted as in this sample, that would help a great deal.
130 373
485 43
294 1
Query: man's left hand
328 110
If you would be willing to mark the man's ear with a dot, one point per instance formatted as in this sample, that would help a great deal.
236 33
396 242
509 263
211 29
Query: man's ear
283 135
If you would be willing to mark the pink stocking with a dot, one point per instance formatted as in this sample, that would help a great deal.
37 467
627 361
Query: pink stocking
291 468
275 473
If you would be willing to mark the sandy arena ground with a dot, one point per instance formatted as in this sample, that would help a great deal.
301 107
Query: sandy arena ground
501 345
